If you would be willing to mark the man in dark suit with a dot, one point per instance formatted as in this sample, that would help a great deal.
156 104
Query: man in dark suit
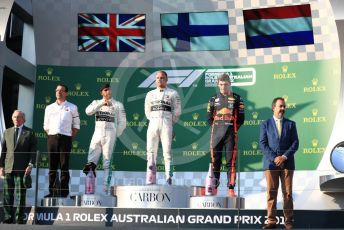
19 146
279 142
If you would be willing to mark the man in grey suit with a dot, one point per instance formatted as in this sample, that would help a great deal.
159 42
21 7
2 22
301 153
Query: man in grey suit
19 146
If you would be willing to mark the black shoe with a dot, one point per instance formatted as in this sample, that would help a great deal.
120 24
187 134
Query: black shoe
88 167
8 221
269 226
49 195
169 181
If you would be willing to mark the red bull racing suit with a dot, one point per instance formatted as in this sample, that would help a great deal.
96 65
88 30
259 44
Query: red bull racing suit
225 115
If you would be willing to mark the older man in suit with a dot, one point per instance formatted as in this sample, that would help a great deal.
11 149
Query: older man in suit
279 142
18 153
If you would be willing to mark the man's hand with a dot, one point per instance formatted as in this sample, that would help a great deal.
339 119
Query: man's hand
2 171
279 160
107 102
28 170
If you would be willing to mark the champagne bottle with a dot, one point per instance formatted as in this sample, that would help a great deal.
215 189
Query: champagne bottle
209 182
90 182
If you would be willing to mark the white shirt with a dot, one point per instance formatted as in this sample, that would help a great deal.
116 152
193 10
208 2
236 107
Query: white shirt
60 119
163 103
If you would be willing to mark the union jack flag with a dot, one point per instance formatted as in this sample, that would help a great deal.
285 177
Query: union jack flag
111 32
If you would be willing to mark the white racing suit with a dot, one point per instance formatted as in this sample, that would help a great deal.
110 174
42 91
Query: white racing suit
162 109
110 123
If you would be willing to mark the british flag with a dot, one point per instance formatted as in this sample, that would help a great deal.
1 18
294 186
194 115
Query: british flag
111 32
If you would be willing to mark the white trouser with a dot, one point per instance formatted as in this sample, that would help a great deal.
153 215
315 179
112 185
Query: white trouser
103 141
160 129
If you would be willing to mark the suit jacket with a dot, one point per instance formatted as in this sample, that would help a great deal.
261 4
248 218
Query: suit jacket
17 157
273 146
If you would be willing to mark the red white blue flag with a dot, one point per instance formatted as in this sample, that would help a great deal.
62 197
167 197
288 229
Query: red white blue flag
278 26
111 32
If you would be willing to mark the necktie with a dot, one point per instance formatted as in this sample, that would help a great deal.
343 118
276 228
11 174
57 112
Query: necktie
279 127
16 135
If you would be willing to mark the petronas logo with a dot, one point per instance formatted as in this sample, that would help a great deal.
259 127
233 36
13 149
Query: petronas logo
254 145
315 142
50 71
255 115
75 144
314 112
136 116
284 68
47 99
135 145
78 86
108 73
194 146
195 116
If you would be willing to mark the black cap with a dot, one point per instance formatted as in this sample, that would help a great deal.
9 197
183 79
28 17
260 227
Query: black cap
105 86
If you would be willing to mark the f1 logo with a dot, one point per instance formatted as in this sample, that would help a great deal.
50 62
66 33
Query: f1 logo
183 78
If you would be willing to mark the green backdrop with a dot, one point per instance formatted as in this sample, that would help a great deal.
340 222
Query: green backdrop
311 90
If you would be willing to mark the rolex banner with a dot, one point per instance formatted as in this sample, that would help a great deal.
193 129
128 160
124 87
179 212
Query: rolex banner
311 91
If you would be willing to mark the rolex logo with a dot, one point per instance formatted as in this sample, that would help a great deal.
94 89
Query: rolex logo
285 97
44 157
135 145
75 144
194 146
255 115
78 86
223 161
195 116
136 116
50 71
315 142
254 145
47 99
284 68
315 81
314 112
108 73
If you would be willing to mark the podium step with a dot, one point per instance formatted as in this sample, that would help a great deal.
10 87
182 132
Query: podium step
57 201
152 196
216 202
95 200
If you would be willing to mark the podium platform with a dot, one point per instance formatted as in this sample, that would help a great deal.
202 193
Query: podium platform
57 201
152 196
213 202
